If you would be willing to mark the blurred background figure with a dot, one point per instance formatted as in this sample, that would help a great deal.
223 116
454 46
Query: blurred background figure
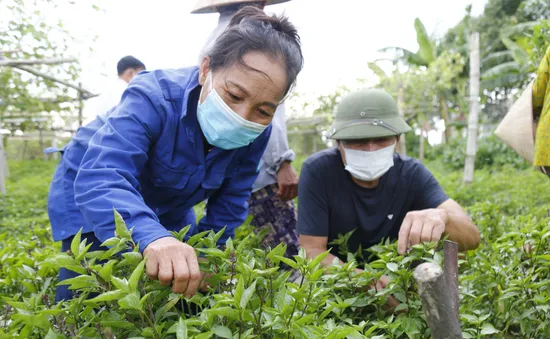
128 67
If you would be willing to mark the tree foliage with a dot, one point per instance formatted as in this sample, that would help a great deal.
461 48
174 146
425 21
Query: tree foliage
27 34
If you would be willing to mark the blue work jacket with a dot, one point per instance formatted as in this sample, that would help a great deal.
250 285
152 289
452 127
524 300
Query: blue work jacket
146 159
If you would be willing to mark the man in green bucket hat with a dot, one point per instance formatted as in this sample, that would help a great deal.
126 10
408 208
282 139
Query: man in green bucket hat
363 186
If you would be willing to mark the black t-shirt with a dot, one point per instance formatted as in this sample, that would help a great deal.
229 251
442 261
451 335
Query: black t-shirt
330 203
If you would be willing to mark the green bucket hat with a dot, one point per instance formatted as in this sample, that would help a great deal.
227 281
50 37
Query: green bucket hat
367 113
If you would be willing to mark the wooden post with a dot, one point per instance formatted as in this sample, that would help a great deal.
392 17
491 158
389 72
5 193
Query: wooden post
25 143
3 166
55 155
450 265
41 141
432 288
421 145
314 136
474 109
4 156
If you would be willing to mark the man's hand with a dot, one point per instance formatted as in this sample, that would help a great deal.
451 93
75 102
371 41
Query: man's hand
421 226
379 285
169 259
287 181
392 303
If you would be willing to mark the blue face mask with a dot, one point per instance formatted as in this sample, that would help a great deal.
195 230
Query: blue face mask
221 126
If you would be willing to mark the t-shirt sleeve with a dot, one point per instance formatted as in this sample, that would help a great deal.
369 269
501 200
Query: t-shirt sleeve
313 214
428 192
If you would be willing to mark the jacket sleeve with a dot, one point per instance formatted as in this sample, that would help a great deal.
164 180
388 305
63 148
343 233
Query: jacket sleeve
116 155
228 207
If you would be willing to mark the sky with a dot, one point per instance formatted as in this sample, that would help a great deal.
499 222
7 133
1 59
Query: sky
339 37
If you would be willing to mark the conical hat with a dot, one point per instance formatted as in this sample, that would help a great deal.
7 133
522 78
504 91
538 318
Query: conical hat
211 6
517 129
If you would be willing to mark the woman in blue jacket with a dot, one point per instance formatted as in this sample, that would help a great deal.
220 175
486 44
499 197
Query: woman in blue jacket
176 138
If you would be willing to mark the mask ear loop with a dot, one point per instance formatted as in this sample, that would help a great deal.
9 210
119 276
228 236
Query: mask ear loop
209 79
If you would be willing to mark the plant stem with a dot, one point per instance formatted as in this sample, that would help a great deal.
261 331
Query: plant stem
271 291
308 299
241 321
259 324
295 303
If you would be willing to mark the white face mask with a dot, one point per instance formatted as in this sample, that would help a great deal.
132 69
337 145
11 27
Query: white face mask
369 166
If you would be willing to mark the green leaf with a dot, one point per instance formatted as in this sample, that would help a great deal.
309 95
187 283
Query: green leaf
223 332
82 281
247 294
426 49
66 261
496 58
144 299
39 320
392 266
500 70
83 250
131 301
519 29
287 261
53 335
167 307
472 319
219 234
224 311
118 324
195 238
75 244
404 54
314 276
401 307
371 330
215 252
147 332
106 271
205 335
377 70
136 276
400 296
239 290
121 230
181 330
279 250
110 242
317 260
488 328
354 334
107 296
132 258
120 283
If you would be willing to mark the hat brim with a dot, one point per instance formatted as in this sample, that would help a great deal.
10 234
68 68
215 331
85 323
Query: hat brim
211 6
517 127
343 130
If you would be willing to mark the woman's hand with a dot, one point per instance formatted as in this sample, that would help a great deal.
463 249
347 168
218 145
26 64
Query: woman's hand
287 182
174 263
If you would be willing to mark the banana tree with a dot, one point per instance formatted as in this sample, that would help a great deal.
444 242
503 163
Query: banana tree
509 68
419 88
426 56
